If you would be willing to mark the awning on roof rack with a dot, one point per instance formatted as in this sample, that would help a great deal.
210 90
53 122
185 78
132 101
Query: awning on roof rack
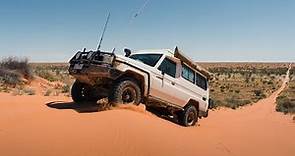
178 54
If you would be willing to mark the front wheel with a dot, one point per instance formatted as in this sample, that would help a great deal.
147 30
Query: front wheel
83 93
189 117
126 91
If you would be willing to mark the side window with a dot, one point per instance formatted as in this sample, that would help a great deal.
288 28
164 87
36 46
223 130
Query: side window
168 67
201 81
188 73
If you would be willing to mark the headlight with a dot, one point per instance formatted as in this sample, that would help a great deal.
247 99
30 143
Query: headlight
90 54
78 55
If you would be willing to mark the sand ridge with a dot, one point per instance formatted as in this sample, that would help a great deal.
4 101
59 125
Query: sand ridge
28 126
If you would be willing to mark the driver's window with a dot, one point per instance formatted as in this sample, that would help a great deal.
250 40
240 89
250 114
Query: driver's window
168 67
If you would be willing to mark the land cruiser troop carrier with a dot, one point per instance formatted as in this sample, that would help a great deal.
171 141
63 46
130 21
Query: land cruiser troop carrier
157 78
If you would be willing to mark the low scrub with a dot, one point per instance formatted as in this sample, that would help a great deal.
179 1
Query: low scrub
19 65
286 100
29 91
238 84
285 104
14 69
9 77
46 75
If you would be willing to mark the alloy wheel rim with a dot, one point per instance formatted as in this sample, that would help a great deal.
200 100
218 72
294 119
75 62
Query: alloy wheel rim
128 95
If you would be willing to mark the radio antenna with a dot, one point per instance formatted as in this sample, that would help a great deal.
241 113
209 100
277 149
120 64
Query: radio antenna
104 29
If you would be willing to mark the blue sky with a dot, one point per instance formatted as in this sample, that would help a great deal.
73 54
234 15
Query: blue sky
206 30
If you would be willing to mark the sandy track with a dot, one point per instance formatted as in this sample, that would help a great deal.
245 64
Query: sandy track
29 127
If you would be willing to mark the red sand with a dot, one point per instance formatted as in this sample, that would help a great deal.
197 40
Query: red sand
29 127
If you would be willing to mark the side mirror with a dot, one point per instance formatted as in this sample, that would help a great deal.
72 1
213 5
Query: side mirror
127 52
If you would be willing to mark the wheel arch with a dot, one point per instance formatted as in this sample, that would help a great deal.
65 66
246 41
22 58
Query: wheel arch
139 79
194 103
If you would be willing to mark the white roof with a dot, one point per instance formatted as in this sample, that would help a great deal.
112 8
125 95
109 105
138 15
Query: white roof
176 53
155 51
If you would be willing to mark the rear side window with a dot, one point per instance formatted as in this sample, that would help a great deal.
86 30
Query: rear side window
201 81
168 67
188 73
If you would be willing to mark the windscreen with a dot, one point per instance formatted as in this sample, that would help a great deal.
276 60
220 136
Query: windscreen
149 59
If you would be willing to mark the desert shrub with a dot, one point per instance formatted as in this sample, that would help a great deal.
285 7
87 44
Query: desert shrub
17 91
48 92
10 78
235 85
269 82
19 65
65 88
259 93
46 75
12 69
53 72
29 91
4 89
218 103
285 104
235 102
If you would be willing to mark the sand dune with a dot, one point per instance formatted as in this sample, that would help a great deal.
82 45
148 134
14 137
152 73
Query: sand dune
29 127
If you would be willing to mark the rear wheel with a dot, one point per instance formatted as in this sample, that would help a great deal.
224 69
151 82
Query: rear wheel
126 91
189 117
82 92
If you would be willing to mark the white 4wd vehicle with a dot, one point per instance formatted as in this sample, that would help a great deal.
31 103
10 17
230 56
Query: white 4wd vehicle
156 78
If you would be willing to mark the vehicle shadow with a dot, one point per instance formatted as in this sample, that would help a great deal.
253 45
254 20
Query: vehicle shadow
80 108
98 107
163 114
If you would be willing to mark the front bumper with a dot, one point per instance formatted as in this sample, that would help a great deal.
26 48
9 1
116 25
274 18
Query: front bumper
93 73
94 68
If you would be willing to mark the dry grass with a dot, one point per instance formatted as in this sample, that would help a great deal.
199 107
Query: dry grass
286 100
54 72
16 74
239 84
13 70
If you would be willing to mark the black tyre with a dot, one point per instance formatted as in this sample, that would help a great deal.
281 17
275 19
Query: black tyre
83 93
189 117
125 91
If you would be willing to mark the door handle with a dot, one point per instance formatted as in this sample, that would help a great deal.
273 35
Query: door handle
159 77
173 83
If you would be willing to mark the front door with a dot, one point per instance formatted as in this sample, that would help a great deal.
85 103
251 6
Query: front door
163 82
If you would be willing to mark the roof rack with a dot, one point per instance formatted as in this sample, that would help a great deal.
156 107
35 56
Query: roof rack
178 54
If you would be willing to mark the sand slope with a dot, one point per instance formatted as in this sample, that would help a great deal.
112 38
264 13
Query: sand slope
29 127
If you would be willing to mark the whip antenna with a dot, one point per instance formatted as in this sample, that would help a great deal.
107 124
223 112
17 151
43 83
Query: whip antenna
104 29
